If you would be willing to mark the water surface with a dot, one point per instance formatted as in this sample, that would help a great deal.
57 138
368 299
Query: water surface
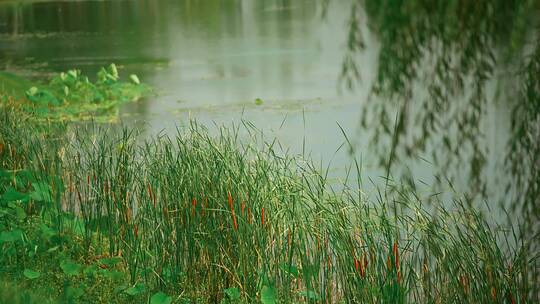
211 60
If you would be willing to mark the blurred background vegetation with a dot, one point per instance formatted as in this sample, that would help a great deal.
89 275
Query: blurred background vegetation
442 66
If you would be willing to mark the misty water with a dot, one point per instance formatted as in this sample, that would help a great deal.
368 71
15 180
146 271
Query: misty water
215 61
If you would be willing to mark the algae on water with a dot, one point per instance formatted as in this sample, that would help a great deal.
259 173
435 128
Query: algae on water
71 96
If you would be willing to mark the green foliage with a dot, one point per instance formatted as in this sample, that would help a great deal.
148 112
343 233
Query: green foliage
232 293
268 295
71 96
160 298
12 195
110 262
292 270
73 293
16 294
70 268
432 92
31 274
136 289
11 236
202 219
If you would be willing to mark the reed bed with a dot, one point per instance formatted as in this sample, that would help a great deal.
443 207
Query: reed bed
212 218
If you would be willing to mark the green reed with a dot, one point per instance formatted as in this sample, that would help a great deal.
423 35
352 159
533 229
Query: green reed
197 214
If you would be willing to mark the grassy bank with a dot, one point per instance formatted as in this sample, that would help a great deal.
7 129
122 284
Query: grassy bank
94 215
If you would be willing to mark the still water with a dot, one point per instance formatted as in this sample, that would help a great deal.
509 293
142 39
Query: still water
211 61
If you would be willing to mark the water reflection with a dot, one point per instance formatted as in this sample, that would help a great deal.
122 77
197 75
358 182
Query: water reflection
210 60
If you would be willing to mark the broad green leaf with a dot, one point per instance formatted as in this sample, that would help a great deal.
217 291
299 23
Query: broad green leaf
119 288
19 212
46 231
90 271
42 97
233 293
160 298
32 91
134 79
52 249
11 236
31 274
12 195
113 70
73 73
135 290
70 268
268 295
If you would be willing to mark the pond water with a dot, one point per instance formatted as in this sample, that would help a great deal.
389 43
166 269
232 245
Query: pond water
212 60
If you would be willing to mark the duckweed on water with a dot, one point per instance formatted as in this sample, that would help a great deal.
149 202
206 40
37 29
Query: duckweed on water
195 218
71 96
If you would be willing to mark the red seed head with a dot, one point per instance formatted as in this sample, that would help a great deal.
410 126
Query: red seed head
235 224
229 197
464 283
262 216
149 191
329 263
365 262
361 267
204 205
289 237
396 255
511 298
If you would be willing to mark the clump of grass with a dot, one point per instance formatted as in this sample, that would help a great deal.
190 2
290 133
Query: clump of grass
213 219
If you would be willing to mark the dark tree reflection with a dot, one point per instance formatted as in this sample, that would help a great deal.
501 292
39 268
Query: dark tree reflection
430 95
